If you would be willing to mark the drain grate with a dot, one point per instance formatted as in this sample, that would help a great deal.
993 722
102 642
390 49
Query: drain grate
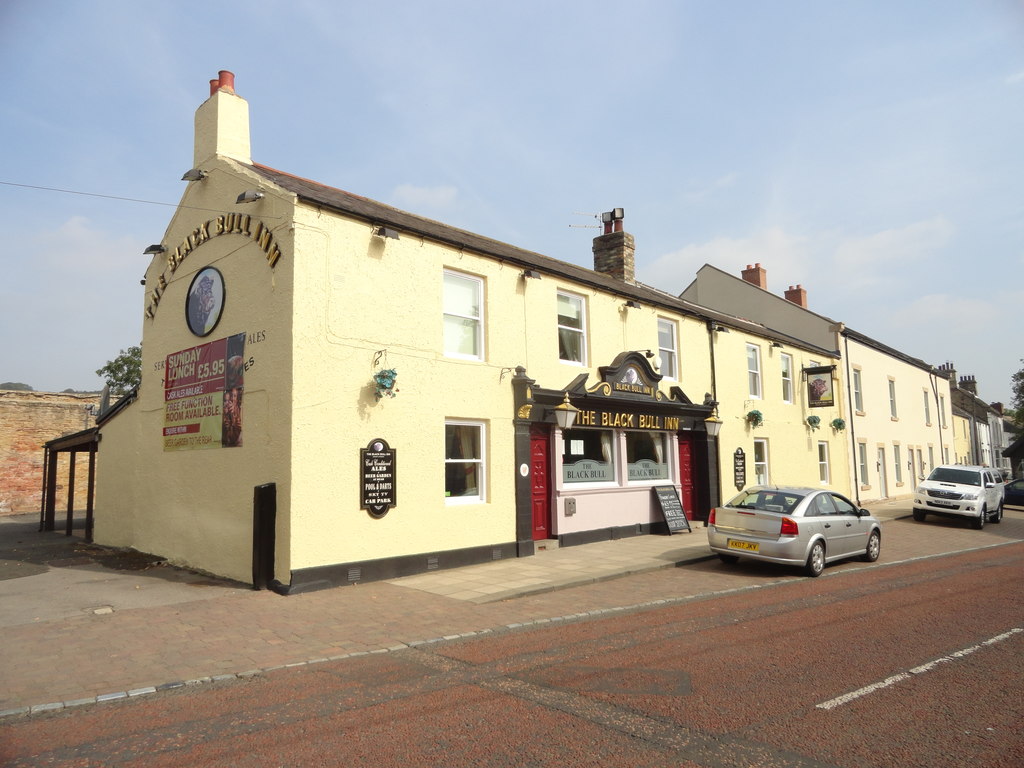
355 574
432 563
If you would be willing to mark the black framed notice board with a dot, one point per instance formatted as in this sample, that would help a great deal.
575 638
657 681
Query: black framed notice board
671 508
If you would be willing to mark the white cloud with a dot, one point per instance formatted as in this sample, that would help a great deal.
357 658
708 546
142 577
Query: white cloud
425 199
779 252
871 259
1014 79
705 191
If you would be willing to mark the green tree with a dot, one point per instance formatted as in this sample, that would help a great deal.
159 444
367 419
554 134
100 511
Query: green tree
124 372
16 385
1017 388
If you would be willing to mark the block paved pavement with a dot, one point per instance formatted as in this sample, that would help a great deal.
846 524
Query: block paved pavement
120 633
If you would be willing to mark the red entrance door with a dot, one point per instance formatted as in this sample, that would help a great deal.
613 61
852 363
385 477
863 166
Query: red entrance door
686 472
540 500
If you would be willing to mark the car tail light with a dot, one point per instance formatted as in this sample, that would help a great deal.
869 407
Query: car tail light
711 517
789 527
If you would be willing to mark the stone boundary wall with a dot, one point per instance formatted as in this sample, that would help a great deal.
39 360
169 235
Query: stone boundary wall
27 420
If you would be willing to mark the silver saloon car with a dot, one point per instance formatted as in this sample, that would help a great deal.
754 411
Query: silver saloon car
806 527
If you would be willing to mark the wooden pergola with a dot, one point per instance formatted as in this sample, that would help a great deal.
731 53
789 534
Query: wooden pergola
86 441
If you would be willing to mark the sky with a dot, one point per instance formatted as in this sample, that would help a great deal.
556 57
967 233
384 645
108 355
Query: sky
868 151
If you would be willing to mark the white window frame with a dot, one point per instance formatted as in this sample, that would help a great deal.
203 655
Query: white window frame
893 410
787 377
862 462
479 284
824 470
942 411
669 355
899 461
858 391
765 474
481 462
754 374
582 330
931 458
927 409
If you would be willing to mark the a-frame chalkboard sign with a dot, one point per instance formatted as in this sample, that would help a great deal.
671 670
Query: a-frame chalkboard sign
671 508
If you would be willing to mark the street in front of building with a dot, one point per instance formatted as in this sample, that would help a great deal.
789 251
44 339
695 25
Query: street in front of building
914 660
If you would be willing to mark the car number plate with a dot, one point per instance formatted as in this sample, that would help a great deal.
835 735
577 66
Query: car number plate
941 503
746 546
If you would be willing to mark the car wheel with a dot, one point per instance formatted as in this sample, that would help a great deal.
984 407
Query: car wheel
999 515
979 522
730 559
919 515
815 560
874 548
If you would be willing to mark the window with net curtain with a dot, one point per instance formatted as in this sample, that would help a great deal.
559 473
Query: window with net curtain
645 456
571 328
463 316
588 456
464 461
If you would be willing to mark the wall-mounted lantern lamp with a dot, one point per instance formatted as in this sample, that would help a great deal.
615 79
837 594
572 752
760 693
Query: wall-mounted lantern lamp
385 233
153 250
565 413
194 174
712 423
249 196
776 345
721 329
533 274
633 305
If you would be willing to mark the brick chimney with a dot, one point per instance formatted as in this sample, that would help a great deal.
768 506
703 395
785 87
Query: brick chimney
968 384
222 123
614 250
997 407
947 371
798 295
756 275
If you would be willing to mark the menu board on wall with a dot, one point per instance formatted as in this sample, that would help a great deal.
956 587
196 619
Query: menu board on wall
203 389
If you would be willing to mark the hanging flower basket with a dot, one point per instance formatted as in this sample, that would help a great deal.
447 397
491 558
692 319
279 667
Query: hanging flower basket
384 383
838 425
755 418
813 422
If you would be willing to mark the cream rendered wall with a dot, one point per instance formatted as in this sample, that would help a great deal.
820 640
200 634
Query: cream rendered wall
195 506
961 440
358 295
876 428
792 444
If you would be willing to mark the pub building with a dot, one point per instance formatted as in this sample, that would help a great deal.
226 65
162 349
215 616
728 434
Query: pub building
336 391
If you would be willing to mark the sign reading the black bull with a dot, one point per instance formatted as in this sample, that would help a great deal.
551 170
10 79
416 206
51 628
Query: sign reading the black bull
377 476
819 386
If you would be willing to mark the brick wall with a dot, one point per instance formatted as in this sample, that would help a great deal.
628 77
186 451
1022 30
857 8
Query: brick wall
27 420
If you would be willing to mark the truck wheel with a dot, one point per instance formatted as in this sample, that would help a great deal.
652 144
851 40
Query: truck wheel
979 522
919 515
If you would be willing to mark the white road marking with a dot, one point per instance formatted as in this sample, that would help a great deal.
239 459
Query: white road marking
848 697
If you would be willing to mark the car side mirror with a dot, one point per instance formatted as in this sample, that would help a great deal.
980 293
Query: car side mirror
862 512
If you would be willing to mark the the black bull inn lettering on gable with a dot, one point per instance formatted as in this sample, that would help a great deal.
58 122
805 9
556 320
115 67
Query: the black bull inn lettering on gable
228 224
613 420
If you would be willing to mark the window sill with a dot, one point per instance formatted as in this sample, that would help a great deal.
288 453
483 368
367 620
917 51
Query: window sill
860 413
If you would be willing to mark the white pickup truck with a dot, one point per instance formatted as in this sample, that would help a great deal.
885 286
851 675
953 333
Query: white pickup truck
960 490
